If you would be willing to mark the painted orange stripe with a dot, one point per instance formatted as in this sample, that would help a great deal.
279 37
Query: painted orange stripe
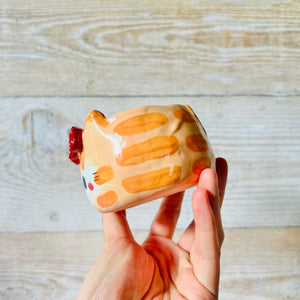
103 175
141 123
107 199
201 164
82 160
183 115
156 147
152 180
196 142
98 117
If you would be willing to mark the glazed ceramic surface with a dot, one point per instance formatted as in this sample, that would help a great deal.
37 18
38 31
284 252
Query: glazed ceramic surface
140 154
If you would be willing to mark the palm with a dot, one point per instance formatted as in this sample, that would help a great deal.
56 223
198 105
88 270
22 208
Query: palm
174 274
161 268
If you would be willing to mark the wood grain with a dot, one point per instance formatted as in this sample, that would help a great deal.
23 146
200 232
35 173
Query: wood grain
41 190
54 265
149 47
235 62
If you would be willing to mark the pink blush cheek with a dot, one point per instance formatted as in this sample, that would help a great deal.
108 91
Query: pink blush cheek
90 186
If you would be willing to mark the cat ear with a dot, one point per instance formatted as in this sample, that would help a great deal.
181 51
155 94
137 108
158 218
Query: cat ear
96 117
191 110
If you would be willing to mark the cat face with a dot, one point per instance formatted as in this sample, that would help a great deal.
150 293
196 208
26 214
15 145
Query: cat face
93 181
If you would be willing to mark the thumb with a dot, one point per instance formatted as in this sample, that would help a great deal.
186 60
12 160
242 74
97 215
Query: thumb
115 227
205 252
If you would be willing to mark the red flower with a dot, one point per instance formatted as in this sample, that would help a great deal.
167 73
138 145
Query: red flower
75 144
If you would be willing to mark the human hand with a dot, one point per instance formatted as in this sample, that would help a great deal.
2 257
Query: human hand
161 268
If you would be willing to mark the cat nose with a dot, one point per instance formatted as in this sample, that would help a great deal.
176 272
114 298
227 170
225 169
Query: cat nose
90 186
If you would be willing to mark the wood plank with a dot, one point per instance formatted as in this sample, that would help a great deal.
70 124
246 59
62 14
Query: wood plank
41 189
256 263
149 47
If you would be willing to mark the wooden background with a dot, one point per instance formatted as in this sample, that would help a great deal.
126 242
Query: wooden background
236 63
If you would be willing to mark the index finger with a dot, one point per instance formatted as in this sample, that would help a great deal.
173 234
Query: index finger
167 216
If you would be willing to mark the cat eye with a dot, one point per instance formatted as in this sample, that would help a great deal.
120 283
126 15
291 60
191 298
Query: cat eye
84 182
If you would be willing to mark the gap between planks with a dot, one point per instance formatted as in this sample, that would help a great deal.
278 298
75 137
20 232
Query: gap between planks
144 230
151 96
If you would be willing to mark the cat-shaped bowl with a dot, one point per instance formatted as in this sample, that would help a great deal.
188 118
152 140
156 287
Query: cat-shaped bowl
140 154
